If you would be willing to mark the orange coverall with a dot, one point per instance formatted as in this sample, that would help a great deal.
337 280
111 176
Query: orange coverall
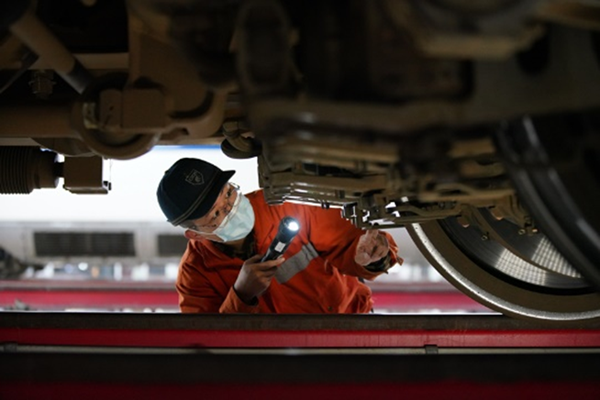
319 274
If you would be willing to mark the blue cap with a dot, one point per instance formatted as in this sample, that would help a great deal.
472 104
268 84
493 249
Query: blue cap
189 189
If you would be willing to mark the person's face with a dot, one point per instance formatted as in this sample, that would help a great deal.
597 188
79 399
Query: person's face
218 212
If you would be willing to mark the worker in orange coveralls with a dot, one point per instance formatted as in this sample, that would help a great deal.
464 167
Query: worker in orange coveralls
221 270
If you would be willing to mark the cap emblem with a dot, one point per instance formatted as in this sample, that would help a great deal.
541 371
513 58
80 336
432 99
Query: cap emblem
195 178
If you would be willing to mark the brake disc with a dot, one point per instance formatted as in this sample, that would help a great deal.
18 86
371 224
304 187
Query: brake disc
533 248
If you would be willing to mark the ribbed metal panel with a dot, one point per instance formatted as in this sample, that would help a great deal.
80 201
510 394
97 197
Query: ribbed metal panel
171 245
65 244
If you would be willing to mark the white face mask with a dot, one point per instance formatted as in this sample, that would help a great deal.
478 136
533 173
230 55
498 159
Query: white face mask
238 223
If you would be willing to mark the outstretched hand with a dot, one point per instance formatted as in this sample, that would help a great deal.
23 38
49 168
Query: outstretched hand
372 247
255 277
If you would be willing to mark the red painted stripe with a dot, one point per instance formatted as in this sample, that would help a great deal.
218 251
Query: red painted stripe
122 298
56 299
463 390
302 339
441 300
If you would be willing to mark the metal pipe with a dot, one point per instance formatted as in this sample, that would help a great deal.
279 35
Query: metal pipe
47 121
35 35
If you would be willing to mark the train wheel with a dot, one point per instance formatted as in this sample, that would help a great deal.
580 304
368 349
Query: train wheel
508 282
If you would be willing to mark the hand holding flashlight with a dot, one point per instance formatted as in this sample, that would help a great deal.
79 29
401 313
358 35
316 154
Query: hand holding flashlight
255 277
256 273
288 228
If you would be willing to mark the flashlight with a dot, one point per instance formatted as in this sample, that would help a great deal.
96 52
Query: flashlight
288 228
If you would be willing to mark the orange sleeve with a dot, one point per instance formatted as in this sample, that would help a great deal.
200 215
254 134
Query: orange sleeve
198 295
233 304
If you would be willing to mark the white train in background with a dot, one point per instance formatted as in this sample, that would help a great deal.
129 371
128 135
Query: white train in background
88 247
124 227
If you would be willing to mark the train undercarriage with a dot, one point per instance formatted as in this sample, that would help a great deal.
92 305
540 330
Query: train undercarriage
475 125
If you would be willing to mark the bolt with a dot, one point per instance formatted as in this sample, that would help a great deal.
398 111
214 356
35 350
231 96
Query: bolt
485 237
463 221
496 213
521 231
42 83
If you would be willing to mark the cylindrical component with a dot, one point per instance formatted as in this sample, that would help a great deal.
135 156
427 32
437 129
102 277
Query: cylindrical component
35 35
23 169
47 121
